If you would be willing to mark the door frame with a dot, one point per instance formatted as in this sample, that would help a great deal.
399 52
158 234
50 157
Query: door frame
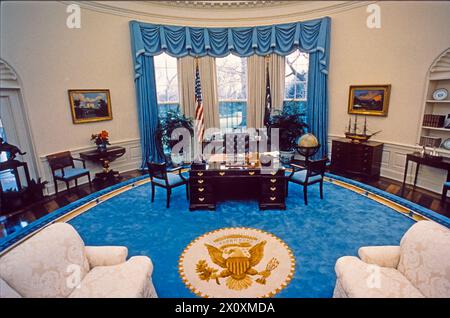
11 87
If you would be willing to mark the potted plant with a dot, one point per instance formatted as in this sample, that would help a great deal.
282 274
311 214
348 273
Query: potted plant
291 126
168 122
101 140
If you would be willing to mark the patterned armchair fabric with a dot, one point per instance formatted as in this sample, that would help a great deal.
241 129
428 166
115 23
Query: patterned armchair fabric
56 263
419 267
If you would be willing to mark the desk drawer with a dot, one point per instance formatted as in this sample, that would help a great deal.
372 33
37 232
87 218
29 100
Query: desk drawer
269 189
273 181
197 198
201 189
272 198
197 181
200 173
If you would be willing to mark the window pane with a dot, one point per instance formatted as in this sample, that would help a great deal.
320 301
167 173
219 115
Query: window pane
232 91
296 76
166 82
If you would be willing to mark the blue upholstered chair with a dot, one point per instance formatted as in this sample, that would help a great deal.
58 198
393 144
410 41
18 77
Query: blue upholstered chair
63 169
160 177
444 191
313 173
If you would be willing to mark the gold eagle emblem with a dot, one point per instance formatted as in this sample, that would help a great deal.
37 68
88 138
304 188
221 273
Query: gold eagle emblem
238 264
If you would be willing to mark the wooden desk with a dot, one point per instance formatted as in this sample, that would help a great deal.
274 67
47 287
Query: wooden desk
424 160
104 158
217 182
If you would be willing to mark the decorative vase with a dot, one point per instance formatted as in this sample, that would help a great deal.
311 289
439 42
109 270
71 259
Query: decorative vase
286 156
101 147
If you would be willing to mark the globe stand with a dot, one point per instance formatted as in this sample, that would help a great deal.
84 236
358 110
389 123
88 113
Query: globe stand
307 152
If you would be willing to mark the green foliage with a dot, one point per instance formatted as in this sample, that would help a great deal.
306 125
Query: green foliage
168 122
291 125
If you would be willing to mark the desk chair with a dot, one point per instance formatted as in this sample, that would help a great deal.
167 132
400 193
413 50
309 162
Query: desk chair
160 177
64 162
313 173
237 143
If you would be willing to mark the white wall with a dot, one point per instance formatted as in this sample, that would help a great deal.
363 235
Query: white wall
50 59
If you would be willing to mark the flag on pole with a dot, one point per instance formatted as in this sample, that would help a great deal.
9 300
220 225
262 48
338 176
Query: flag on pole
268 102
200 129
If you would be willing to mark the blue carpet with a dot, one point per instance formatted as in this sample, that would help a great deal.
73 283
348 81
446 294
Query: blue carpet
318 234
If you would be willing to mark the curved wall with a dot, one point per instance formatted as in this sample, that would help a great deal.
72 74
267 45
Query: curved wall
50 59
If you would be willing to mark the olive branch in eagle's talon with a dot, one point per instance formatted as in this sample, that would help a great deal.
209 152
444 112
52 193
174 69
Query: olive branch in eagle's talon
205 272
273 263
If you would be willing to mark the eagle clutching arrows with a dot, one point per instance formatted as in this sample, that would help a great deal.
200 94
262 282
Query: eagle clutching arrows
238 263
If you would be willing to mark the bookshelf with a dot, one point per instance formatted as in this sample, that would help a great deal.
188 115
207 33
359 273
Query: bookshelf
435 112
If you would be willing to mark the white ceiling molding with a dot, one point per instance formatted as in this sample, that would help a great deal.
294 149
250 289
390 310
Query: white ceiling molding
223 4
244 14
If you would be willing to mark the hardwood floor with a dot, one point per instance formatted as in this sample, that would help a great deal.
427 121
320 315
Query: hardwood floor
19 219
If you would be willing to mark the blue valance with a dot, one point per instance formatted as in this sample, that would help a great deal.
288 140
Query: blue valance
283 39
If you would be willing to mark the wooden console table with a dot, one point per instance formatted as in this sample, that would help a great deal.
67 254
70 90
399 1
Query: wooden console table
104 158
427 161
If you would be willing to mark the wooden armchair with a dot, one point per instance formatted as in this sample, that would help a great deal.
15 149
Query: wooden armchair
160 177
63 168
313 173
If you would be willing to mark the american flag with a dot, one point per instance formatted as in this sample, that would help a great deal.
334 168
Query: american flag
268 106
200 129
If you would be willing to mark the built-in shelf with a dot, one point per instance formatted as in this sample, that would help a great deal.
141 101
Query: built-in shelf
438 76
436 128
445 101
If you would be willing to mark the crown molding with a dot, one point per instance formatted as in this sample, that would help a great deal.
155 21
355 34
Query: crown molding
176 14
223 4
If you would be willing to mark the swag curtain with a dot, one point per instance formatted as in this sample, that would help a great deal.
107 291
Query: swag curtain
186 84
150 39
256 83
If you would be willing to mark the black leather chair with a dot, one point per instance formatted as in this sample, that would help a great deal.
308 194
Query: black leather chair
160 176
314 172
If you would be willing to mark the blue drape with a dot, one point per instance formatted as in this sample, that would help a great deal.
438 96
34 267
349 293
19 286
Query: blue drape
309 36
147 105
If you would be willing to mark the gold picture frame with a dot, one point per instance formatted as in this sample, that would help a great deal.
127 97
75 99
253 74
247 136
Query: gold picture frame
369 99
90 105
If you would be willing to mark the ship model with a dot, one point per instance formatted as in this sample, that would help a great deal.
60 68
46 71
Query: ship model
356 137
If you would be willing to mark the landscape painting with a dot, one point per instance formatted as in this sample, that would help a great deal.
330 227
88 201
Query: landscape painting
90 105
369 100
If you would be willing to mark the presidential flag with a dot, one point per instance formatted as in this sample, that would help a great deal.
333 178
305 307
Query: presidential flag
268 102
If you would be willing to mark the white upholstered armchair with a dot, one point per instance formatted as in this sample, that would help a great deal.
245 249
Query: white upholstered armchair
56 263
419 267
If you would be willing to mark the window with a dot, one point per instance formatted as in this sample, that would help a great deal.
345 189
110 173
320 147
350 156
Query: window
166 82
296 81
232 92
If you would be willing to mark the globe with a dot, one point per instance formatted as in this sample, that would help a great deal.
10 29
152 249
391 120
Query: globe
307 145
307 141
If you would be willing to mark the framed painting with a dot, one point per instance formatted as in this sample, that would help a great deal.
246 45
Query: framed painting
369 99
89 105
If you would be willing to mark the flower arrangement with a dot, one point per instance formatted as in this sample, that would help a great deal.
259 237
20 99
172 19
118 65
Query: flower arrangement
101 140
